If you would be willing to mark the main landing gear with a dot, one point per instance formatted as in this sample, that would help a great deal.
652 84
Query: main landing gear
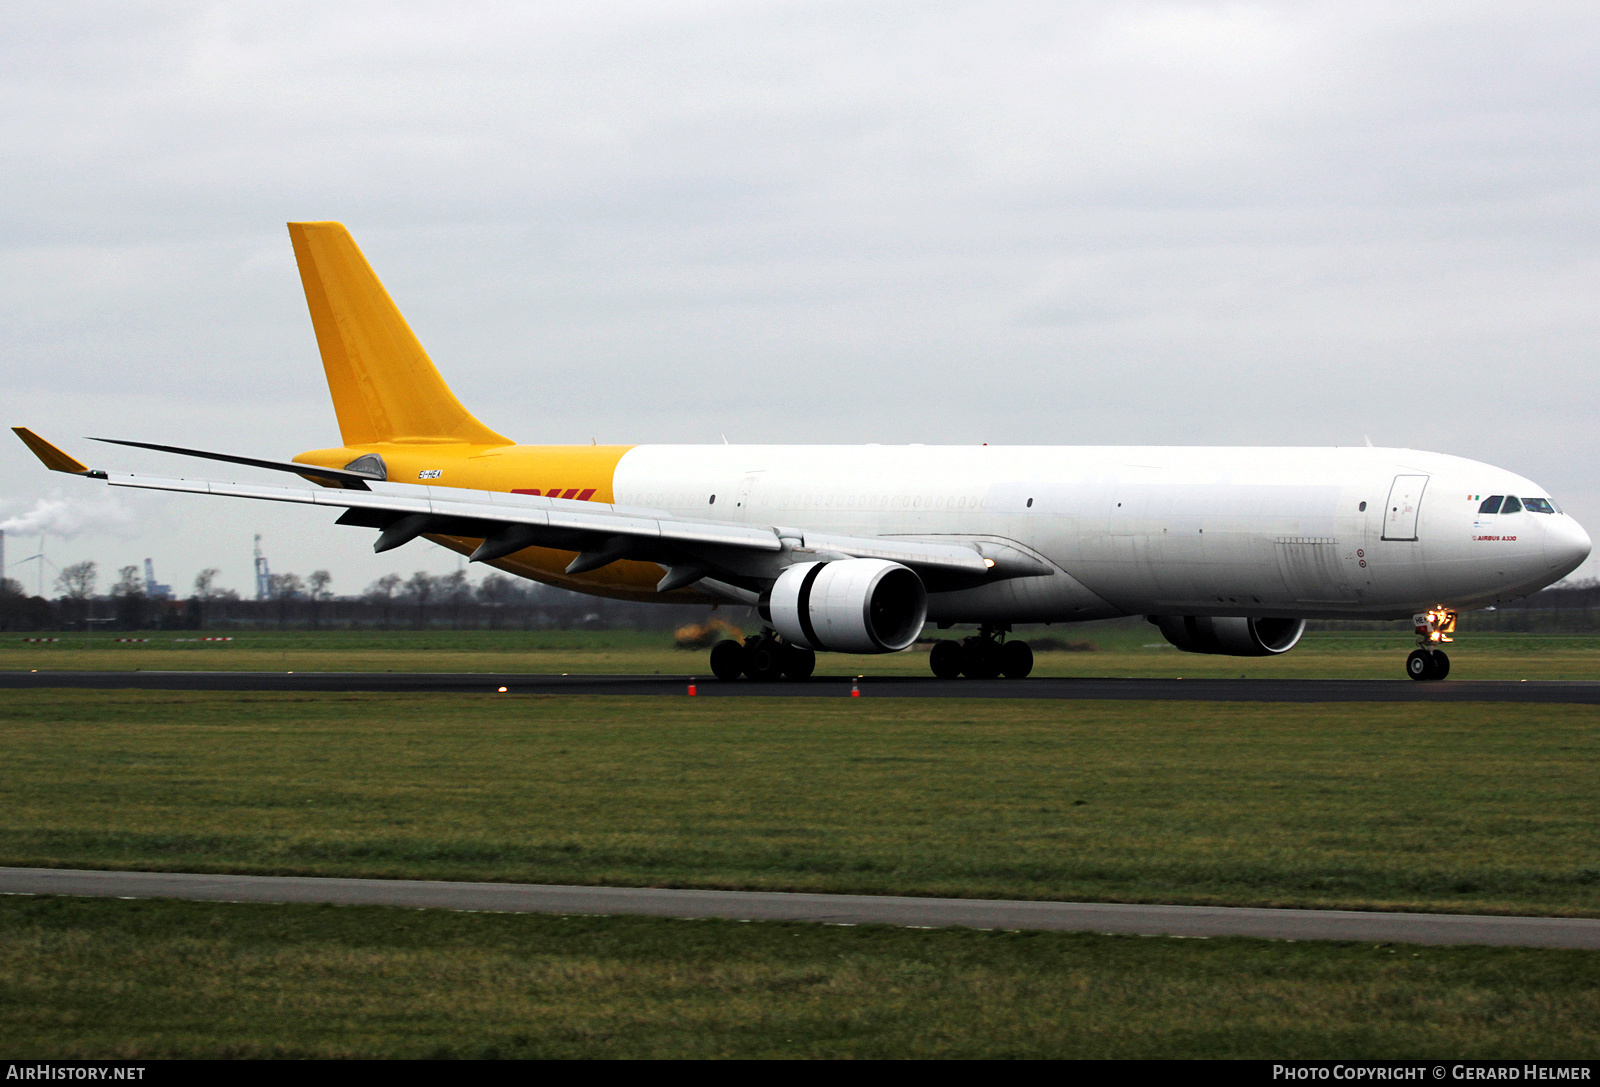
762 657
984 656
1428 661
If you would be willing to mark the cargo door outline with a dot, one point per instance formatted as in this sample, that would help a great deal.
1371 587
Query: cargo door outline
1312 571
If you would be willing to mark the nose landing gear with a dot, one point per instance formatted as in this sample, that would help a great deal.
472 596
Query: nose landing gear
1428 661
984 656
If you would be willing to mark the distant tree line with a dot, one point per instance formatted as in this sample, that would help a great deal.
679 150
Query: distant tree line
392 602
425 600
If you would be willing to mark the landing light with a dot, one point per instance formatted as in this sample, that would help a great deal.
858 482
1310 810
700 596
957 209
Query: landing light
1436 626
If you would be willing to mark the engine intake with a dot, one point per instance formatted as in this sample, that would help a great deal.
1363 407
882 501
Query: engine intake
1230 635
848 605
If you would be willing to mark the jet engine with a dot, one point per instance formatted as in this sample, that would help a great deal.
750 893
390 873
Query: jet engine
1229 635
848 605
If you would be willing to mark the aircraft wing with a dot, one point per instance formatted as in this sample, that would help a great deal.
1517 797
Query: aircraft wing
733 560
600 532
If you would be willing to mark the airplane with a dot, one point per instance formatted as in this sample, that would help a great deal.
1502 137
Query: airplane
855 549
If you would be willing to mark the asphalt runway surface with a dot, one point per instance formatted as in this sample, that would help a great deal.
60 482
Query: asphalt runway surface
1191 921
1183 690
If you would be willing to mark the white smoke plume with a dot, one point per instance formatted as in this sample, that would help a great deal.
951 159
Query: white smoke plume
65 517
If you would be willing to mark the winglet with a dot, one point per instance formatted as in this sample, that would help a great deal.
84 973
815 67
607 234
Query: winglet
54 459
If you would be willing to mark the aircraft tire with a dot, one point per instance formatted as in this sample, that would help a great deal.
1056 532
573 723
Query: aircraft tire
727 660
1016 660
798 663
1441 664
763 660
980 658
945 659
1420 666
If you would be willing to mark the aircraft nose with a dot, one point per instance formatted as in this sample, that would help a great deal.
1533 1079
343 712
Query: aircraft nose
1566 545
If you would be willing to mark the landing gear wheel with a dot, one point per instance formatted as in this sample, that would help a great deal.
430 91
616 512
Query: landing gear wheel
1016 660
1441 664
763 659
798 663
945 659
1421 665
727 659
980 658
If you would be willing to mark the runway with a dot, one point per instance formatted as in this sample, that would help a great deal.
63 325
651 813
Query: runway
1112 918
1182 690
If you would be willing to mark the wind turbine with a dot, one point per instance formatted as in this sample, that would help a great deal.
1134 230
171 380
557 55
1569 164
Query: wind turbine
41 560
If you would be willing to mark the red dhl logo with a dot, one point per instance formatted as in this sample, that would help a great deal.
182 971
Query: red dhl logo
557 492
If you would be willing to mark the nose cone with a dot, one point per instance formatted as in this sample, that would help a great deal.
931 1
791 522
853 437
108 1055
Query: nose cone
1566 545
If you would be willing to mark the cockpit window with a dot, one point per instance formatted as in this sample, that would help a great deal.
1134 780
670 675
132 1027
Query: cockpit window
1492 504
1538 505
1512 505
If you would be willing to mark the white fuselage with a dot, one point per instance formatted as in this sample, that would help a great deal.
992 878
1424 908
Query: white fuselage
1351 532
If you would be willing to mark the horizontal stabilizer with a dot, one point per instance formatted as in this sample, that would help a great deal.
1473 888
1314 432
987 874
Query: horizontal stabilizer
354 480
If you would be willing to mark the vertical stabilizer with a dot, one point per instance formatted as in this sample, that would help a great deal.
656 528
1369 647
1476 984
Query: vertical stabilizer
384 386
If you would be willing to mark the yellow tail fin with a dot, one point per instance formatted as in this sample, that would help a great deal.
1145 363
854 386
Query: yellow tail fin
385 388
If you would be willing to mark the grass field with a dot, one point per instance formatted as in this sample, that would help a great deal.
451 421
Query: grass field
133 980
1122 649
1472 807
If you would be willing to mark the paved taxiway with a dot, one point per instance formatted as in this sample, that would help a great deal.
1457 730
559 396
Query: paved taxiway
1410 928
1186 690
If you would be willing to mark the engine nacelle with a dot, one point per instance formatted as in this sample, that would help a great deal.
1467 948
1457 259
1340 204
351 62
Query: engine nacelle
848 605
1230 635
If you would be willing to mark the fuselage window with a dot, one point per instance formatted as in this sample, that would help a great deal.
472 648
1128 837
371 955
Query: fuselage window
1030 503
1492 504
1363 508
713 501
1512 505
1538 505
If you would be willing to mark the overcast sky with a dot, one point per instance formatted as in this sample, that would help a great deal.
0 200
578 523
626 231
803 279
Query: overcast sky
1167 223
